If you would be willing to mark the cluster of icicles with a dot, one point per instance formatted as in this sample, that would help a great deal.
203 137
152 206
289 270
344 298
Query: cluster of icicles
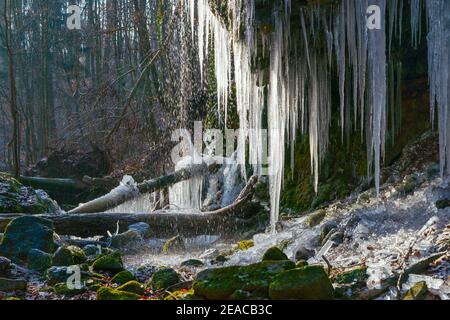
297 95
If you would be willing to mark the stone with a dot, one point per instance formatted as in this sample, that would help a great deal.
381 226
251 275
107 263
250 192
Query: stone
301 263
56 274
315 218
5 266
173 245
303 253
69 256
123 277
210 254
112 262
26 233
105 293
142 228
223 283
274 254
326 230
63 289
356 278
134 287
163 279
418 292
39 260
144 272
129 238
91 250
192 263
7 285
307 283
245 244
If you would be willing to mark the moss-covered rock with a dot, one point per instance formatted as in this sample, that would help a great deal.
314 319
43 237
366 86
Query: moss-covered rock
26 233
15 198
315 218
418 292
192 263
105 293
163 279
181 295
5 266
245 244
174 244
307 283
68 256
63 289
222 283
12 285
56 275
301 263
356 277
112 262
134 287
123 277
91 250
274 254
39 260
442 204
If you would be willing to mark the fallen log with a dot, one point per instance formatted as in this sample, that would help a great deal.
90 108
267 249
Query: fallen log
162 223
125 193
53 183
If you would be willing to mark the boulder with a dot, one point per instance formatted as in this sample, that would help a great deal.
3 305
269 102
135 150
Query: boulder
142 228
303 253
68 256
223 283
26 233
163 279
274 254
5 266
192 263
307 283
315 218
105 293
129 238
123 277
91 250
134 287
63 289
56 275
39 260
112 262
12 285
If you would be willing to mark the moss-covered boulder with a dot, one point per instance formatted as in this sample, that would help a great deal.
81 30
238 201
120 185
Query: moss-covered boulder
307 283
39 260
5 266
134 287
223 283
26 233
56 275
163 279
68 256
315 218
418 292
112 262
274 254
12 285
63 289
192 263
16 198
123 277
105 293
356 278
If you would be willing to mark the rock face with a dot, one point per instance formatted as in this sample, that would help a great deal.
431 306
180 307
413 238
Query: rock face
307 283
26 233
15 198
232 282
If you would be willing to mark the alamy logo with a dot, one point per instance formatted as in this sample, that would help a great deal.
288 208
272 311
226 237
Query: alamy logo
374 17
74 20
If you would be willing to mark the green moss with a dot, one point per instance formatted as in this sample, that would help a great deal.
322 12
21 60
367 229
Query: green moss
39 260
245 244
112 262
442 204
418 292
123 277
307 283
315 218
274 254
12 285
134 287
105 293
356 277
163 279
222 283
62 289
69 256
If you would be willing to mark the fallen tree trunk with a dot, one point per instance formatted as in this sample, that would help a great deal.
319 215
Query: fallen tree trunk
123 194
54 183
162 223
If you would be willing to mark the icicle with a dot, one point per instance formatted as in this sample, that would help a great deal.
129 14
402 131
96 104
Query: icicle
416 21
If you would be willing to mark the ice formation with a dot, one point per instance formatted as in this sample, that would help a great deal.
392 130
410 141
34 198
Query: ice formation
298 95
